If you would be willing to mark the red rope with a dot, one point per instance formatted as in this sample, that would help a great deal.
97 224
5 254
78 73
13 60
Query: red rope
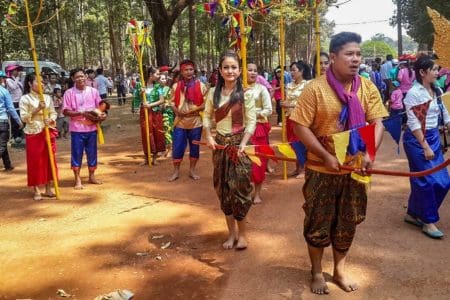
350 168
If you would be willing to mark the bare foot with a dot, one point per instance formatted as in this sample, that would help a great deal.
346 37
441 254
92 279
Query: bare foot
174 176
193 176
78 186
241 243
229 243
37 197
300 176
345 283
49 194
257 200
144 163
94 181
318 284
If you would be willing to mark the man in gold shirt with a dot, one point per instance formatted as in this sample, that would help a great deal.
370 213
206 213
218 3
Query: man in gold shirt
334 202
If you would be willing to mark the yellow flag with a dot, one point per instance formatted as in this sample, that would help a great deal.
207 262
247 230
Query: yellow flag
251 154
100 137
360 178
341 140
12 9
287 150
446 100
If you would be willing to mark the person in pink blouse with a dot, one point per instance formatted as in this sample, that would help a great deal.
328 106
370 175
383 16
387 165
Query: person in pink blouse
406 77
79 102
396 102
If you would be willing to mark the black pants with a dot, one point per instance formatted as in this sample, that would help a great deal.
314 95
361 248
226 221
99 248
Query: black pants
15 129
4 137
121 95
278 109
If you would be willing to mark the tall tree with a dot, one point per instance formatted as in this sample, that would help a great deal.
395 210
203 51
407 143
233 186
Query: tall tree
416 21
163 19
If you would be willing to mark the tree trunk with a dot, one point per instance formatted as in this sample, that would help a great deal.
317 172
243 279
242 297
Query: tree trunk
162 38
180 38
59 30
112 40
163 21
192 40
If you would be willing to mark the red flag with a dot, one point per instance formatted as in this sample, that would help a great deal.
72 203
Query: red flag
266 149
421 111
367 134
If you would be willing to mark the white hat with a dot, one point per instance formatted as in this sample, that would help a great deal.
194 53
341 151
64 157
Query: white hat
395 61
362 66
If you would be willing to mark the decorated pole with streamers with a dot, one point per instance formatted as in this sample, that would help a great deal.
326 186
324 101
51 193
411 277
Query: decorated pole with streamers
13 10
138 33
282 83
243 48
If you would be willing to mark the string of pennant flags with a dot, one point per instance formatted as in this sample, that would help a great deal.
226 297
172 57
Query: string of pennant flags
341 140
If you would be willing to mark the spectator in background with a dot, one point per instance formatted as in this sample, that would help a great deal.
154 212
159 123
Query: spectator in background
276 88
102 84
6 110
52 84
385 71
406 77
90 80
203 78
110 86
121 87
15 88
324 63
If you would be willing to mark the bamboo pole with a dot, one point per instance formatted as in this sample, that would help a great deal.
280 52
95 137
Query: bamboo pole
317 33
282 63
41 99
144 100
243 49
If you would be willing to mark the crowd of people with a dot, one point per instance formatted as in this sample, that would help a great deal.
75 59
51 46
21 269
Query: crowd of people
177 106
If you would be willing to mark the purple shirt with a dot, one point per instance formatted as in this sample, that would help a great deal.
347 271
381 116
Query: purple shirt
397 99
406 81
81 101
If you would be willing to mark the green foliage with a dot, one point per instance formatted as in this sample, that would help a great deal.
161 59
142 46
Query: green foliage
416 20
372 49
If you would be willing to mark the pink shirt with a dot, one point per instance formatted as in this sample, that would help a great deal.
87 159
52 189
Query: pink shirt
81 101
261 80
92 83
406 81
277 92
397 99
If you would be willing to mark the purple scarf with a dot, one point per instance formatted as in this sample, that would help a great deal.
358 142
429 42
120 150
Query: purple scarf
352 115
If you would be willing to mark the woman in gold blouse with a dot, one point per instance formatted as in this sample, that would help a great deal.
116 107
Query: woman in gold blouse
301 74
31 112
235 118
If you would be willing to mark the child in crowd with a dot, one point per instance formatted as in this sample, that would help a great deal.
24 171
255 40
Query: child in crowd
396 102
62 124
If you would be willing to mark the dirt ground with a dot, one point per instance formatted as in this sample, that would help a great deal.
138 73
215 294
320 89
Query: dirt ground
112 236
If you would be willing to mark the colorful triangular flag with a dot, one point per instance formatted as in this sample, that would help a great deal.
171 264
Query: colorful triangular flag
341 141
250 151
286 150
300 152
420 111
367 134
393 125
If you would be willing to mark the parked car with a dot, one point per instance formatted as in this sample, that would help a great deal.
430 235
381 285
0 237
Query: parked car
47 67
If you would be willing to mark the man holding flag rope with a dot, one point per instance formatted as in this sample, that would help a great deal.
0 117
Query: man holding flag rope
335 202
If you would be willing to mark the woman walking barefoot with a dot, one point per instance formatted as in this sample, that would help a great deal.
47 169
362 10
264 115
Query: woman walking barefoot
235 119
31 112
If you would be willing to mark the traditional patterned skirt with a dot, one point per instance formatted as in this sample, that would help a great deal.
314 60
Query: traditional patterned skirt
232 177
39 171
428 192
260 137
168 118
334 205
156 132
